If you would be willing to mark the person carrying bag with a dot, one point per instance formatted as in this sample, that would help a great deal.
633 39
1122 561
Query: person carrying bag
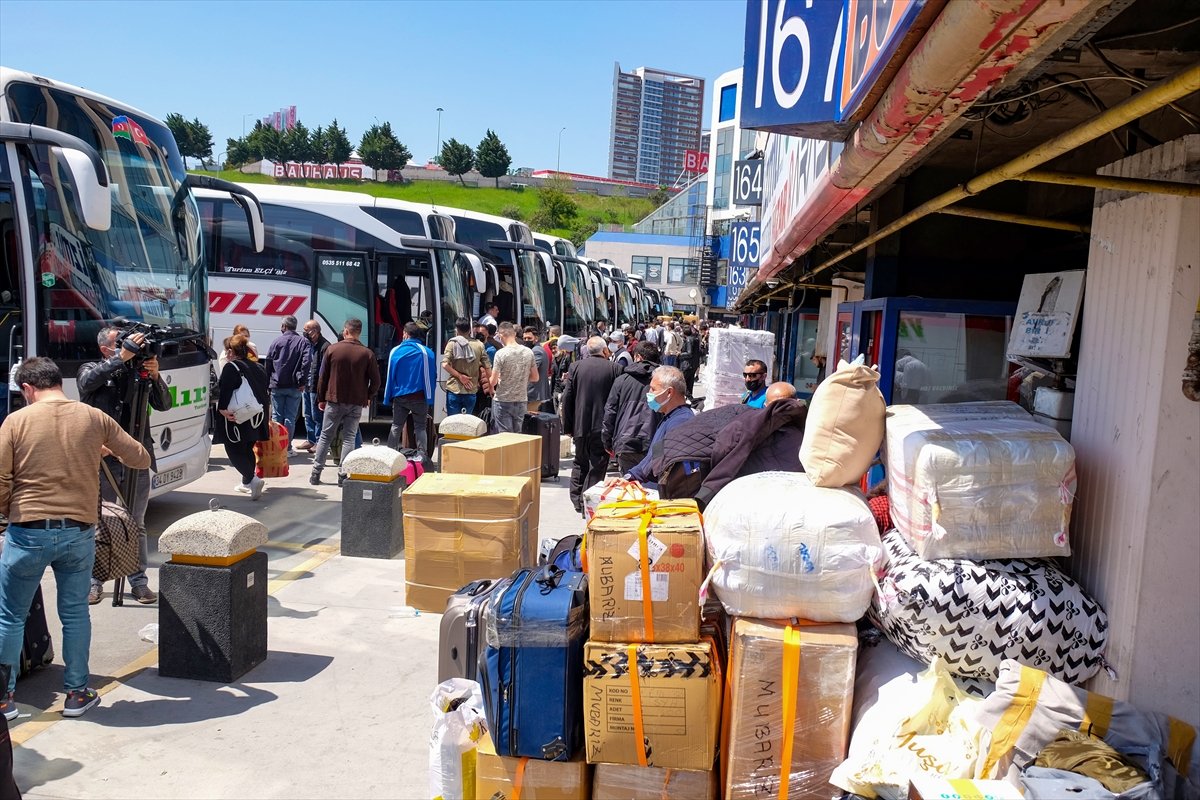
242 400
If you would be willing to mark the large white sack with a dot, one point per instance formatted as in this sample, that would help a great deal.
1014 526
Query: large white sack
978 480
458 725
728 351
782 548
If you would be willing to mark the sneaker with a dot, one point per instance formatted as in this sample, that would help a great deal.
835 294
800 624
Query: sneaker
94 594
243 488
315 478
143 595
79 701
256 488
341 479
8 707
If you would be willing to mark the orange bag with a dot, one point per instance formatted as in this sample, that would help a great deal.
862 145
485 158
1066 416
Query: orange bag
271 455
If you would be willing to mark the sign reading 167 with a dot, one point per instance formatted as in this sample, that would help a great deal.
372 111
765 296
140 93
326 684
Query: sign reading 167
797 41
744 244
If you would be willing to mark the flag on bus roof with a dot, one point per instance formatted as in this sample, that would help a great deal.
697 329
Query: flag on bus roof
125 128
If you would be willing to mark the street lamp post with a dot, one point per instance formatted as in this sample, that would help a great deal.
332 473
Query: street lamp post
244 124
438 154
558 162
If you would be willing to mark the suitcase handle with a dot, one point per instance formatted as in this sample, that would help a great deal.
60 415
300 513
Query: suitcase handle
549 577
476 588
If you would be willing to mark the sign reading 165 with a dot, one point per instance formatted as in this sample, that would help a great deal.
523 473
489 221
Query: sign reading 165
791 62
744 244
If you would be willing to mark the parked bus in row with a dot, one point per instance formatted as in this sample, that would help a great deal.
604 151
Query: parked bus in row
332 255
99 226
576 285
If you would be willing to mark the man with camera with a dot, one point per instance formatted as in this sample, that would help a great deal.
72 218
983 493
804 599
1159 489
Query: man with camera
107 385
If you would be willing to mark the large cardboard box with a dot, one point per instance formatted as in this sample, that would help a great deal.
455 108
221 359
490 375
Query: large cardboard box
515 454
503 778
675 550
460 528
824 689
673 694
623 782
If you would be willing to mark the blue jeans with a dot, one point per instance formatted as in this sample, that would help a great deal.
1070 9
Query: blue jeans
285 405
27 553
670 361
508 415
312 417
460 403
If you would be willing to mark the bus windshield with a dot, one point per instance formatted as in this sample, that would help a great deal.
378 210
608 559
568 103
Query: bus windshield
625 308
534 289
147 267
577 294
452 275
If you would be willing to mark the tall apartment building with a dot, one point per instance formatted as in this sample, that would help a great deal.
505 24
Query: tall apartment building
656 116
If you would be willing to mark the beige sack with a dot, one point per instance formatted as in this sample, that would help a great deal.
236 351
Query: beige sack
844 428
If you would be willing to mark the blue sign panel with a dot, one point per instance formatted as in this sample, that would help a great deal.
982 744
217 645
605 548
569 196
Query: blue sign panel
738 276
809 64
744 244
792 64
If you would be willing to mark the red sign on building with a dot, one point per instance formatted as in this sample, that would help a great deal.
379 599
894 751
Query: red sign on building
695 161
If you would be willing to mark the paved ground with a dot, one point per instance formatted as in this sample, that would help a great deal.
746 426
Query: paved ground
339 709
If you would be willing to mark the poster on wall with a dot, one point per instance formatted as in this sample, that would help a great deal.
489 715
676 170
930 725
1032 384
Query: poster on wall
1047 314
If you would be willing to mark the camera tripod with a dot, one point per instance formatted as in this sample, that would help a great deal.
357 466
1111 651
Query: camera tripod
138 403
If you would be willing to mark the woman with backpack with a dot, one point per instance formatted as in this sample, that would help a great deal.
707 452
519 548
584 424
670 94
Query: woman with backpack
239 437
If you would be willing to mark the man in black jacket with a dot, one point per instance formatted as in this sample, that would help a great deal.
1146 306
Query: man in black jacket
585 392
312 412
288 357
760 440
628 421
106 385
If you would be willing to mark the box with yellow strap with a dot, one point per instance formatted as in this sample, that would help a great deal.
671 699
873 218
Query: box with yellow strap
645 563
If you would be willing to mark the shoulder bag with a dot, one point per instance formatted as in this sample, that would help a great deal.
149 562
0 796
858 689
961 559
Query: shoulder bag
116 536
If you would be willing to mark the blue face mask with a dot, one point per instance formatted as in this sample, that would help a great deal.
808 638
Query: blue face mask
652 401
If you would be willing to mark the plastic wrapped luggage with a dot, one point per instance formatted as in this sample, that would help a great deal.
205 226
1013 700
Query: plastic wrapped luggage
549 427
973 615
531 670
728 351
978 480
781 548
462 630
270 455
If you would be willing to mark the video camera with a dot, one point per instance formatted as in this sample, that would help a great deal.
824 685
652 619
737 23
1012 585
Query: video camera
155 335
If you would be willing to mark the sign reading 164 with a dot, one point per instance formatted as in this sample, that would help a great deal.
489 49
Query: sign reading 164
744 244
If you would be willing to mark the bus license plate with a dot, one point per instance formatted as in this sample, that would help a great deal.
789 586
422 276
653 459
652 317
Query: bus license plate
171 476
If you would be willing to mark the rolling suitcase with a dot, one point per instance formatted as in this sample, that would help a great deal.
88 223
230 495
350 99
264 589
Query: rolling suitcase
549 427
458 643
531 669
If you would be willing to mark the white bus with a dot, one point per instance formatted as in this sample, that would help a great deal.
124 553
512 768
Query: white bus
99 225
332 255
575 284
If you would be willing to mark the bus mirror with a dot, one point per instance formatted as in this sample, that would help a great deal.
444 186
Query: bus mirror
475 265
254 220
94 200
548 265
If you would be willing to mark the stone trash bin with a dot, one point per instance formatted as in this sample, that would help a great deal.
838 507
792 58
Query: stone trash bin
212 610
372 517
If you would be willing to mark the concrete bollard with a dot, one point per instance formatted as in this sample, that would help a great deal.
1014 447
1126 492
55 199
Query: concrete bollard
212 611
372 516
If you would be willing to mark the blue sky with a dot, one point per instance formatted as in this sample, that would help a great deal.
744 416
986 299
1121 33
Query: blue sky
525 69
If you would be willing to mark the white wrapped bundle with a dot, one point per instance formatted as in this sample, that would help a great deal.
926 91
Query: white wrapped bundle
728 351
784 548
978 480
462 426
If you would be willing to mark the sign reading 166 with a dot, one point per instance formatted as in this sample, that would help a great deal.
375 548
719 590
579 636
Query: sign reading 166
744 244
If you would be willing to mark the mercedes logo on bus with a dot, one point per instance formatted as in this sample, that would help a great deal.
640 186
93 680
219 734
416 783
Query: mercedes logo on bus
165 440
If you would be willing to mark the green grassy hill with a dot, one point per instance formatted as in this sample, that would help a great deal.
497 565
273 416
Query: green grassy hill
519 204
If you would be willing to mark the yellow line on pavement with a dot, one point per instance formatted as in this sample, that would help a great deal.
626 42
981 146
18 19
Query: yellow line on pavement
40 722
300 547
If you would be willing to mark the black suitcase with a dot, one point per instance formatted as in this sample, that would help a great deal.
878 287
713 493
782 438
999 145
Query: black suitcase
37 650
458 641
549 427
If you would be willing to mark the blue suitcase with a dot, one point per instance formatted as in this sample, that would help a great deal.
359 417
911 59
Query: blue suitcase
531 670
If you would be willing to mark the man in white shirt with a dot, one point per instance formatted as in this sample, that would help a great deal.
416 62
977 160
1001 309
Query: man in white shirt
489 314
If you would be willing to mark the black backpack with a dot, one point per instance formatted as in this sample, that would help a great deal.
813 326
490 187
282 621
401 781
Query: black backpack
683 457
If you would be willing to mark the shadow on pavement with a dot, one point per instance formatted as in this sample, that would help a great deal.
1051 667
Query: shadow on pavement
183 701
31 769
277 609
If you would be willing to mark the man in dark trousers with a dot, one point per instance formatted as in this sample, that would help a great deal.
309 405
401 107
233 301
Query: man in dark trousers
289 356
586 390
312 414
349 381
106 385
628 421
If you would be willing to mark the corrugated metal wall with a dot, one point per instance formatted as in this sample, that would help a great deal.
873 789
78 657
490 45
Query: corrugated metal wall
1136 515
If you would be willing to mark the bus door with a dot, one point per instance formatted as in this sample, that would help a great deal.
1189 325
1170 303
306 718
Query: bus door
10 292
343 289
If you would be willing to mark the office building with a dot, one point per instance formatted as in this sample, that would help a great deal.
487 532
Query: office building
656 117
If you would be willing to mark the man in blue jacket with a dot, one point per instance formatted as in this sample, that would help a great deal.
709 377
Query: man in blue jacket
410 385
667 398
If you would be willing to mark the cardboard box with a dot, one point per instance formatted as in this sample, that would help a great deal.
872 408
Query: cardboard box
623 782
754 742
496 777
679 686
675 547
514 454
962 789
459 528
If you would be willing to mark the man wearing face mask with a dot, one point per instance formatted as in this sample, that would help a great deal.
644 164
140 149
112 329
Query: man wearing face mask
539 390
755 374
667 397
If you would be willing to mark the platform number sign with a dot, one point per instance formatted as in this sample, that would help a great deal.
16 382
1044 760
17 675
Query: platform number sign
747 182
744 244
